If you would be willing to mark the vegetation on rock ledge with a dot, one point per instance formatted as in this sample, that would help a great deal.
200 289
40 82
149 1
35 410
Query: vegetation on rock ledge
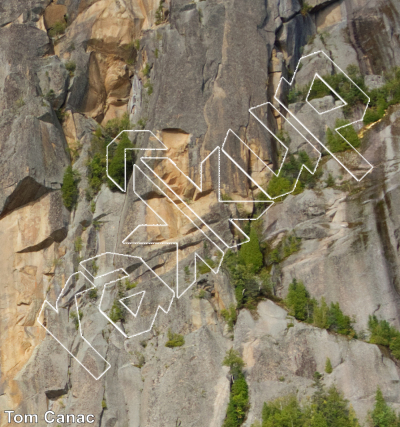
239 397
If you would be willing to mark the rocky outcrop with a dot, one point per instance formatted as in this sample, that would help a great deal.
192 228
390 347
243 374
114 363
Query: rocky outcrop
282 356
33 153
349 240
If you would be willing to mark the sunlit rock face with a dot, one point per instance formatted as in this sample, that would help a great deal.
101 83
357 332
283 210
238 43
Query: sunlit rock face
189 72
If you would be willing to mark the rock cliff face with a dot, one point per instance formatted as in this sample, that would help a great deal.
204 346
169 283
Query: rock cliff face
187 71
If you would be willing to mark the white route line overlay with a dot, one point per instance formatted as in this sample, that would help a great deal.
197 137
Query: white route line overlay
215 270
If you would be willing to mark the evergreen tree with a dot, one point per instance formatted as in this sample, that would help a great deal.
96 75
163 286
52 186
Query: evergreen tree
299 302
283 412
238 403
328 408
233 361
239 397
320 318
382 414
339 322
328 366
250 253
116 165
69 189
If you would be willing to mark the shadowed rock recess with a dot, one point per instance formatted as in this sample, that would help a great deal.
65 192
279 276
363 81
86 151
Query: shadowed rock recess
73 73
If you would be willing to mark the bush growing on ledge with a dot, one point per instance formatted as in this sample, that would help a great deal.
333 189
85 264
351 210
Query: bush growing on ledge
305 9
249 287
69 189
290 172
336 143
116 166
327 408
383 333
383 415
230 316
174 340
58 28
303 308
75 318
71 67
117 312
250 253
289 245
97 165
298 301
328 366
382 98
239 397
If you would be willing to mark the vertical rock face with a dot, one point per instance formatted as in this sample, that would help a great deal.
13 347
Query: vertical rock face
189 72
33 153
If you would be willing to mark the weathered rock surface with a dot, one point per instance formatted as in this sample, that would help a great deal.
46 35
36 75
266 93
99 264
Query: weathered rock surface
282 359
197 69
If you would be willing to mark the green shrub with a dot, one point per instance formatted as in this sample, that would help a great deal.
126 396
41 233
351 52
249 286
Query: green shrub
304 308
174 340
71 67
58 28
239 396
340 84
234 362
336 143
289 173
305 9
226 197
238 403
289 245
250 253
117 312
97 165
320 315
93 293
159 13
248 286
116 165
383 97
115 126
78 244
187 274
75 318
61 114
330 182
299 302
285 408
327 408
383 415
372 115
146 70
94 267
130 285
383 333
328 366
96 172
319 90
339 322
230 316
202 294
279 185
69 189
149 87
